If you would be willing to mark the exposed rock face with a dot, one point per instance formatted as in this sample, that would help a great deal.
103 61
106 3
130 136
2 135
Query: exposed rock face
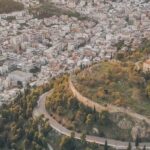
125 124
142 130
123 121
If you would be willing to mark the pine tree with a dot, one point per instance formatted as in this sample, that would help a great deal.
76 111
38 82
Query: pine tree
94 110
137 141
129 146
144 148
106 146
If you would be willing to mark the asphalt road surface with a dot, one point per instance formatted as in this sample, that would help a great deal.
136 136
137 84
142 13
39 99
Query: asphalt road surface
40 109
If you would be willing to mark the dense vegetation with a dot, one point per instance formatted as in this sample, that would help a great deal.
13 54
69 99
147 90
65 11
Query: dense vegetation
69 143
145 46
116 83
139 55
18 130
8 6
47 9
120 83
68 111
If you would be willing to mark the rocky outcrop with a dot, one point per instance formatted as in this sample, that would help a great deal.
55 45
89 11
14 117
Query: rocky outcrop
125 124
142 130
123 121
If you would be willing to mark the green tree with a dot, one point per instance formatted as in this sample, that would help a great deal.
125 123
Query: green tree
13 146
26 144
89 119
144 148
104 116
2 141
67 143
137 141
72 135
59 110
129 146
106 145
148 90
83 137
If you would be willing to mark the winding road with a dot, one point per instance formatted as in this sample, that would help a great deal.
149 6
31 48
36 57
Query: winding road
40 109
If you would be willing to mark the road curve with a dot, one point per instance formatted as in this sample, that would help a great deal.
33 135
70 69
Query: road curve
40 109
98 107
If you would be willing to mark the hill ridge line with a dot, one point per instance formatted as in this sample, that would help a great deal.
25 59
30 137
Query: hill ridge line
98 107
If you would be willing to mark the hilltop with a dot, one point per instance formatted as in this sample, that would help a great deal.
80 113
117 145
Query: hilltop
121 84
121 81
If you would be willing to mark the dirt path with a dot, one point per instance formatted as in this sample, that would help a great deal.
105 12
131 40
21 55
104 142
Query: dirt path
98 107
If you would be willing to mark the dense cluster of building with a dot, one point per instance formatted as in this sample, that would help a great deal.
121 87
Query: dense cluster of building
33 50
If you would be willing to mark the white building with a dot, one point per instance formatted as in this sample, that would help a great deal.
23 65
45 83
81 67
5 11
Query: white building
19 76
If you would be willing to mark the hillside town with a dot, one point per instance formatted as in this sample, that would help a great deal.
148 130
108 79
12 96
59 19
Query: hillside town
33 50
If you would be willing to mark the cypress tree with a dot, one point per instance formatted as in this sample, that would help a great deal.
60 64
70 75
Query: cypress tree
137 141
144 148
129 146
106 146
